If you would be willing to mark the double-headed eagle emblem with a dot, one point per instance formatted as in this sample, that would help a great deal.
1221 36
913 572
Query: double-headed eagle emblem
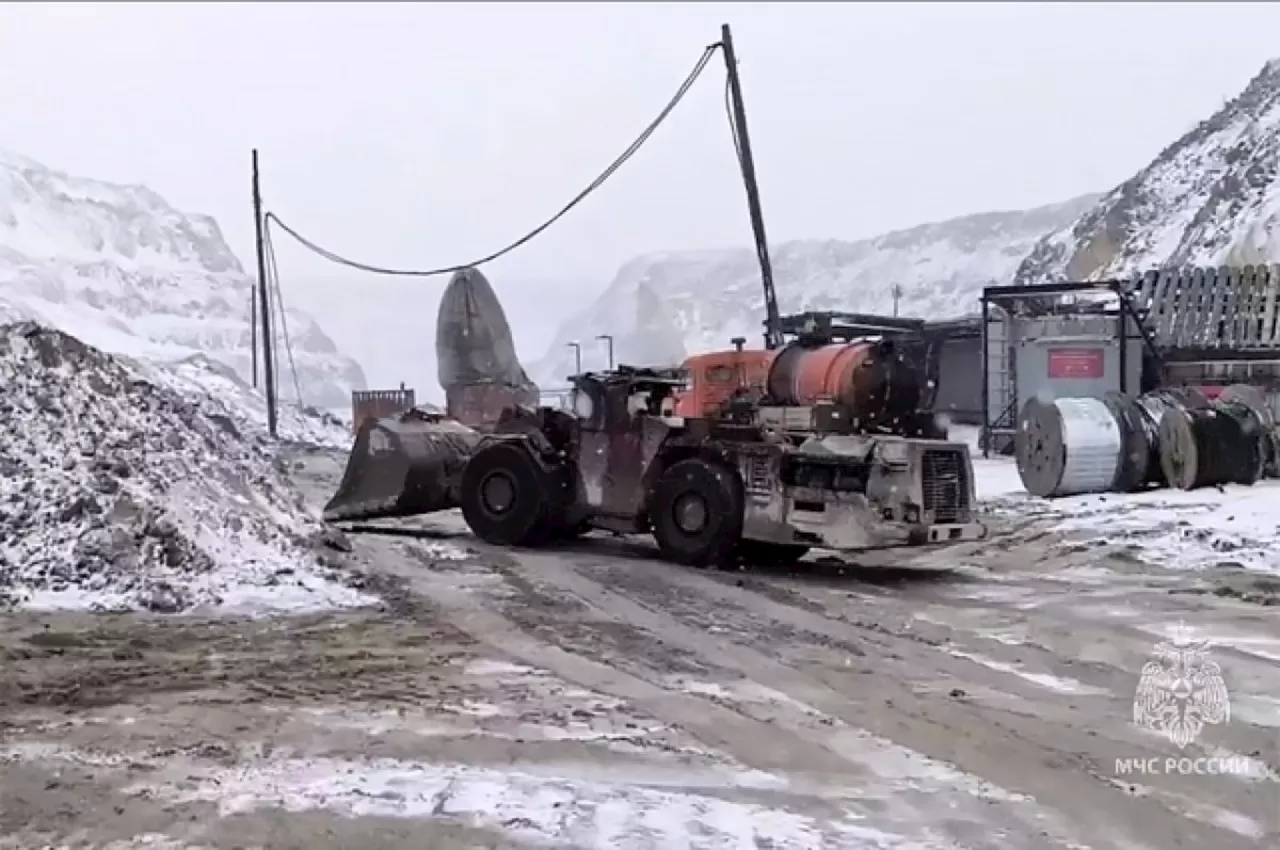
1181 691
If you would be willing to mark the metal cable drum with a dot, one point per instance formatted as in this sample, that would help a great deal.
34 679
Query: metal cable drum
1068 446
1151 408
1206 447
1139 449
1252 398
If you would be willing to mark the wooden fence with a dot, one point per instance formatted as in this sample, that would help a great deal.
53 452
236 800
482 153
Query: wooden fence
1208 308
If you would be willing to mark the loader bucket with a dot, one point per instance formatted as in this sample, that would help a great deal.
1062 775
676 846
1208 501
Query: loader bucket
403 466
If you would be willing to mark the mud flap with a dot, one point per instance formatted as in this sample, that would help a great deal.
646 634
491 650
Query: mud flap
403 466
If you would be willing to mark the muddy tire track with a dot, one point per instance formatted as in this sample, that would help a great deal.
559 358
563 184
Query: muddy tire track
1067 766
81 662
494 620
831 694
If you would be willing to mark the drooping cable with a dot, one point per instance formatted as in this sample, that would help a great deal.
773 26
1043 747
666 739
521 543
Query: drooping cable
577 199
273 276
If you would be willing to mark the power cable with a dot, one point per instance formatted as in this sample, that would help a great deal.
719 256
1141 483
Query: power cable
273 275
599 181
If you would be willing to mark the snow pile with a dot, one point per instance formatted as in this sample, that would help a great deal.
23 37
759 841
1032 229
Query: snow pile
197 376
1211 198
118 267
1234 526
660 305
117 492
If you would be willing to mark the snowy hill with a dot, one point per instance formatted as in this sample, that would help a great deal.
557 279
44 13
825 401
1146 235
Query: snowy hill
662 306
1211 198
122 270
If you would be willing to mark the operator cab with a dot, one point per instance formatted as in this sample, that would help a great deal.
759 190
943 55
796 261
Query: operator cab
611 401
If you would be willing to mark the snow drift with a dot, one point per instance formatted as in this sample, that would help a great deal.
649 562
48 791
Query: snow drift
118 492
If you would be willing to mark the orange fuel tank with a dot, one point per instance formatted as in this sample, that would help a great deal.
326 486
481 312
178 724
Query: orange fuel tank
871 380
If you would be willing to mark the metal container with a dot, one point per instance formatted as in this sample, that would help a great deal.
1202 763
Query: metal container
870 379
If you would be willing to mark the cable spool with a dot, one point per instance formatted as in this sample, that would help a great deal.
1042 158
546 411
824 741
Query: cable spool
1206 447
1139 449
1151 407
1252 398
1255 438
1068 446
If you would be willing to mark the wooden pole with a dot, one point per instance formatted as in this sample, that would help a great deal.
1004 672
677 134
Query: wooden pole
264 304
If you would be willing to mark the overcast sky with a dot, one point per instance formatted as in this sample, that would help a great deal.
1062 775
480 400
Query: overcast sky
424 134
427 134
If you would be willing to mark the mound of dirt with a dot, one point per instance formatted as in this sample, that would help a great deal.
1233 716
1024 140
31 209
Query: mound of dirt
117 492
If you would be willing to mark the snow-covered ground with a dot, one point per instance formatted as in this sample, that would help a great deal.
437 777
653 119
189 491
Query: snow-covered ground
556 810
1234 526
583 698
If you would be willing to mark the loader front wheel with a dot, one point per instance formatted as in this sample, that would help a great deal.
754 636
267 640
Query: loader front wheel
503 499
696 513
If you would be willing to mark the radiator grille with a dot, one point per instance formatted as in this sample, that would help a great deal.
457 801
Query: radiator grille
758 478
945 485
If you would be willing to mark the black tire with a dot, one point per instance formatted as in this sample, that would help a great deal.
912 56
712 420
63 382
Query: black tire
696 513
503 497
766 554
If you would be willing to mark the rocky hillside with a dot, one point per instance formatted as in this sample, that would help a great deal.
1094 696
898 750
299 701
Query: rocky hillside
1210 198
662 306
122 270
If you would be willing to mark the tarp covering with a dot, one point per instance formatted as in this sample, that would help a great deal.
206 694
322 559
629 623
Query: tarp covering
482 405
473 339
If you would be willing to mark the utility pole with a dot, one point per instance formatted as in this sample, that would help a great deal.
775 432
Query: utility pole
609 341
772 324
253 332
897 296
264 304
577 358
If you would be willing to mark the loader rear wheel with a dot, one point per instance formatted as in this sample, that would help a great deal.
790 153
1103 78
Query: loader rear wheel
503 498
696 513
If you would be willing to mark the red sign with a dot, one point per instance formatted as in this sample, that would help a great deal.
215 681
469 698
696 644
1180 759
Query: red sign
1075 363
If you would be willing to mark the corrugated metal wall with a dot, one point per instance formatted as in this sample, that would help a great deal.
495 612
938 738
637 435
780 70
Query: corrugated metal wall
960 381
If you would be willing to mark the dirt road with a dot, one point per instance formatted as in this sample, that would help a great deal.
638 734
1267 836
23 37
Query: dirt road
595 697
